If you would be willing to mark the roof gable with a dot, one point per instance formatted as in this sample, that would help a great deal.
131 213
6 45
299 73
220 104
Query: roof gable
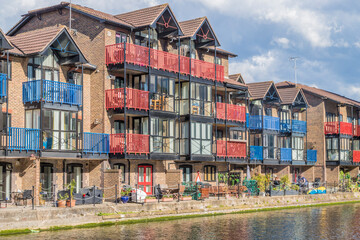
272 95
237 77
200 30
4 42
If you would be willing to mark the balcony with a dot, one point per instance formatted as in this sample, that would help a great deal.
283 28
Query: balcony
299 126
231 149
256 153
24 139
135 99
255 122
285 126
356 131
2 85
96 143
285 154
333 128
271 123
135 143
356 156
311 156
54 92
233 112
139 55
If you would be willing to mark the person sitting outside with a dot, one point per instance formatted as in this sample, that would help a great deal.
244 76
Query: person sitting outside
276 182
303 182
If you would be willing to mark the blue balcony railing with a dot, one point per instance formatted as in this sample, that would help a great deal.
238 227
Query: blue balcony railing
256 153
271 123
285 154
2 85
27 139
53 91
285 125
311 156
299 126
96 143
254 122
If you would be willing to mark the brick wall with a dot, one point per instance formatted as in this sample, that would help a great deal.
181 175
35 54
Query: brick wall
111 178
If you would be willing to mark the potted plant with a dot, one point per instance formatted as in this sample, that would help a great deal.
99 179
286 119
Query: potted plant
294 190
243 190
150 199
61 202
276 191
261 181
71 186
125 194
167 198
186 198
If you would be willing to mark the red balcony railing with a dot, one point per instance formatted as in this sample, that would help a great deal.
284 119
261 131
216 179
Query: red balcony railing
135 143
232 113
234 149
333 128
135 99
139 55
357 131
356 156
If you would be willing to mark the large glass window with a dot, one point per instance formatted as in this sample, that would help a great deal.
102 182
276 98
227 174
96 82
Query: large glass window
50 67
74 172
284 142
344 149
186 173
210 173
4 68
5 181
201 134
237 135
330 117
255 108
120 37
270 146
142 38
201 99
332 149
162 135
59 130
162 93
298 148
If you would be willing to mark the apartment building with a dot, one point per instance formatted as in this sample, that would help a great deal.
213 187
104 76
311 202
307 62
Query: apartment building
332 123
139 92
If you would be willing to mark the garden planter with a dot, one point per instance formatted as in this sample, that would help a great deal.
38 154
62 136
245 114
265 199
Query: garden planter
261 194
150 200
73 202
187 198
276 193
167 199
124 199
61 203
291 192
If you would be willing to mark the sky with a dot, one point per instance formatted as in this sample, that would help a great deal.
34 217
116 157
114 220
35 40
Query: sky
324 35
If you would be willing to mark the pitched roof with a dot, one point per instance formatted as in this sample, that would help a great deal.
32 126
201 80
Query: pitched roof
231 81
258 90
321 92
190 27
237 77
222 51
4 44
142 17
35 41
289 94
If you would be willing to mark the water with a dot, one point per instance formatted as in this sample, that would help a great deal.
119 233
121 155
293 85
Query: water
333 222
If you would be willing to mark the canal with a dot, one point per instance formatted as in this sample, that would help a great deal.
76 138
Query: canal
331 222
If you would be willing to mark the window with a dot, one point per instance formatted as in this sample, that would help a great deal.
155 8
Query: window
332 149
284 142
330 117
142 38
140 82
32 119
4 120
74 172
356 145
219 134
162 91
59 130
4 68
296 116
120 37
349 120
341 117
218 61
5 178
298 148
119 126
210 173
120 167
162 135
186 173
270 146
344 149
49 64
74 77
268 112
201 100
255 108
236 135
201 134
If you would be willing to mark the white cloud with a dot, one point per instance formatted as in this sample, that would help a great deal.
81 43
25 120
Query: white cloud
282 42
302 17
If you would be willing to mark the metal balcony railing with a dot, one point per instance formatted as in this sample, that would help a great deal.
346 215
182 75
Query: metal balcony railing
96 143
299 126
3 84
333 128
23 139
135 99
231 149
285 154
311 156
256 153
135 143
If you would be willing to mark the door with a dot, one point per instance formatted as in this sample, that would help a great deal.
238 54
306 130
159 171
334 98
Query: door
186 173
46 180
74 172
5 181
145 178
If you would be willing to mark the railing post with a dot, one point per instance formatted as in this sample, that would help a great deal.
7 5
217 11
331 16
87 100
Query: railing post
158 193
218 191
136 192
54 194
32 199
179 192
94 195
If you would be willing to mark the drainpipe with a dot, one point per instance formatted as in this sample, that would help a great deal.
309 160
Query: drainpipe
7 103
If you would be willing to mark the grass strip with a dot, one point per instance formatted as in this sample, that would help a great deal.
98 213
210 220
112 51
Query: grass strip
165 218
